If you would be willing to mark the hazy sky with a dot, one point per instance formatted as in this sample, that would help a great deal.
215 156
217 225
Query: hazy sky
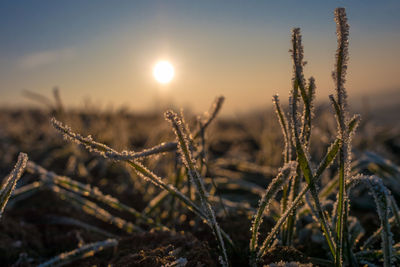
105 50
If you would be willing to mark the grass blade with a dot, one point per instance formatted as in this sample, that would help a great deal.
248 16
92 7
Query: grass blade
11 180
381 197
70 221
85 251
92 209
90 191
339 74
273 188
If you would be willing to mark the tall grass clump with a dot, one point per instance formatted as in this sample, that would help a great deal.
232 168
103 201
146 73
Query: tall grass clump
185 146
297 132
296 128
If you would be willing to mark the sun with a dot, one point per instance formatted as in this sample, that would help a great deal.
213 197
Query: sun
163 72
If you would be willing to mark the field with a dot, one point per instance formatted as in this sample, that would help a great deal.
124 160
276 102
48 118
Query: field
289 186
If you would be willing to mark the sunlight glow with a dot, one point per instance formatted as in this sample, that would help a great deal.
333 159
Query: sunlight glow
163 72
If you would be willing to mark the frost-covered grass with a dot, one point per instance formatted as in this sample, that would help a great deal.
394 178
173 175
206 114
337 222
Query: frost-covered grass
308 198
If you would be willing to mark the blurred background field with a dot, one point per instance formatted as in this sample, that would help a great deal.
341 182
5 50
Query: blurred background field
244 153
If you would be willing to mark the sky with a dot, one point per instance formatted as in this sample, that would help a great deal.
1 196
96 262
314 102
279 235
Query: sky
103 52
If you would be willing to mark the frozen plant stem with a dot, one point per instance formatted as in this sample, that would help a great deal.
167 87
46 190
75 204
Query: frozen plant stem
298 82
184 139
381 197
342 31
9 182
285 130
283 121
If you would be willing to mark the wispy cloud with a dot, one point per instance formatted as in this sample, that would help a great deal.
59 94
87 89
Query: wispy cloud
47 57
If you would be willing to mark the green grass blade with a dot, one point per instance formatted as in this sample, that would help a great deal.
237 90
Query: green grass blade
284 126
339 74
